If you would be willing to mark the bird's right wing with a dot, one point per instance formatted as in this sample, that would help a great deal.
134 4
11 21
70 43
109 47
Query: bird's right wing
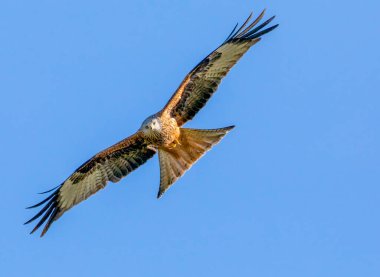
112 164
201 83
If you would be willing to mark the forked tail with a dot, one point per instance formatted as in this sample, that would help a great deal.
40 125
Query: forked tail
192 144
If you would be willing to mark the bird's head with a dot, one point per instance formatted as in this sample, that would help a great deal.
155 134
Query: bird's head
151 124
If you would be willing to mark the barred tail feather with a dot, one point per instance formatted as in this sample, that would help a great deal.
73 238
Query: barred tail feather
192 144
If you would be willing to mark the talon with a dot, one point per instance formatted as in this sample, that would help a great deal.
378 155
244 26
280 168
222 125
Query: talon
174 144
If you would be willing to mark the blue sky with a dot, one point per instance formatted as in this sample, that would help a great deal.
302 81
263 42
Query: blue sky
293 190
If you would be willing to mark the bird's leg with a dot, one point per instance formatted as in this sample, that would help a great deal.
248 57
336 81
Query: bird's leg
177 142
174 144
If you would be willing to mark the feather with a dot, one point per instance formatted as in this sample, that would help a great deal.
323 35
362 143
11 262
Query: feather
251 25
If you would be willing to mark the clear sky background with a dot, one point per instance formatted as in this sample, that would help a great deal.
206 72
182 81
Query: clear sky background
293 190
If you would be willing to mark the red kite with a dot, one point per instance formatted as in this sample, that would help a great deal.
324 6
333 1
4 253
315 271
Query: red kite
178 148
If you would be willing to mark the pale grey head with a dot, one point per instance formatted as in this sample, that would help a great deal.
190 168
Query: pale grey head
151 124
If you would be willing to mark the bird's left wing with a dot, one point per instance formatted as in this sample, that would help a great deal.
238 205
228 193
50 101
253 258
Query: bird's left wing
112 164
200 84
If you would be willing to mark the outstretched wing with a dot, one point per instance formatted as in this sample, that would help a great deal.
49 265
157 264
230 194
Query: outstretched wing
112 164
203 80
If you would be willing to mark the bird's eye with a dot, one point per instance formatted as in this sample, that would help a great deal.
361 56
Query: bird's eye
146 127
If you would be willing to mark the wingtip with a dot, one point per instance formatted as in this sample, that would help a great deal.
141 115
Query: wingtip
33 206
44 192
43 232
249 32
249 16
271 18
159 194
34 229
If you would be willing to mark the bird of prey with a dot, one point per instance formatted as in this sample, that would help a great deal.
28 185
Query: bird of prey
178 148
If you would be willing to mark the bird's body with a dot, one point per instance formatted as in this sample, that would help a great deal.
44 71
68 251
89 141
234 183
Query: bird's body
178 148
